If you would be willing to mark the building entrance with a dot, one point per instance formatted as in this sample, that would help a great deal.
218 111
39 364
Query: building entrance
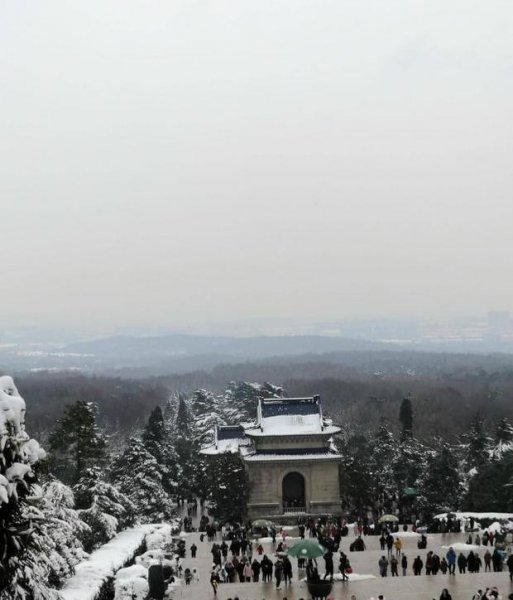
293 492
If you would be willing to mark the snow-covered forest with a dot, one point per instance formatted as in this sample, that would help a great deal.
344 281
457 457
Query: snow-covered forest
89 483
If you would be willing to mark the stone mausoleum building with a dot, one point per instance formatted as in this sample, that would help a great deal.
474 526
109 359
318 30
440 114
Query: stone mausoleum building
291 465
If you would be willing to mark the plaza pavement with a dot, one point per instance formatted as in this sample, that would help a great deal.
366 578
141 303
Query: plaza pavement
409 587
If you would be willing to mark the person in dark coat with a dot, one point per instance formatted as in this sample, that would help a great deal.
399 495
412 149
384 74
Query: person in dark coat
497 560
287 570
382 541
240 570
429 562
343 566
417 566
267 568
214 581
194 549
383 566
488 560
509 563
255 567
278 572
445 595
404 564
394 563
328 560
462 563
435 564
471 562
443 565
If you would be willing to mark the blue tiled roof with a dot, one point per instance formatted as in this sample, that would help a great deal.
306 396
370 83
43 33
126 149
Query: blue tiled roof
295 451
294 406
230 432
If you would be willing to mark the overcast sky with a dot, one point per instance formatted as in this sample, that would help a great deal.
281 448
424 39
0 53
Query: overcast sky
190 161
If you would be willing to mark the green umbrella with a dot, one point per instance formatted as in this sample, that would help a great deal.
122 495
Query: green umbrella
261 523
307 549
388 519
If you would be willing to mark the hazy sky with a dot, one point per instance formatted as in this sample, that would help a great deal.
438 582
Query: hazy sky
181 161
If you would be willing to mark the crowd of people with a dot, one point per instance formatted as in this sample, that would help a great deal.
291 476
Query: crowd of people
237 557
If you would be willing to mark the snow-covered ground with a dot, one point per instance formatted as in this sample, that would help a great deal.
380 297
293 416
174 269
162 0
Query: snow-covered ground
477 516
351 576
91 574
462 547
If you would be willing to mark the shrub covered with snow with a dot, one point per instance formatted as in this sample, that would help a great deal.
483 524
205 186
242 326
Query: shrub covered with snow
103 507
38 527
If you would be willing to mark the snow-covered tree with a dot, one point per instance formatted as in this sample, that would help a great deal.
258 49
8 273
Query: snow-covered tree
76 442
441 483
38 528
103 507
504 431
63 530
137 475
187 449
156 439
170 410
384 454
239 401
228 486
491 489
357 485
477 444
207 412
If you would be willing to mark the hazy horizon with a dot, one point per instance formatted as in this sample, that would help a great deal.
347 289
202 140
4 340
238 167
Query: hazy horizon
214 161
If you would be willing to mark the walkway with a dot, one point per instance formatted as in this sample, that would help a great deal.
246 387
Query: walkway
462 587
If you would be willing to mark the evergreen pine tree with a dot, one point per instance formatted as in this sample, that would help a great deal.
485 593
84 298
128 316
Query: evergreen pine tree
357 483
406 419
187 450
227 483
183 418
156 440
38 542
137 475
504 432
170 410
491 489
441 484
103 507
76 442
384 453
477 444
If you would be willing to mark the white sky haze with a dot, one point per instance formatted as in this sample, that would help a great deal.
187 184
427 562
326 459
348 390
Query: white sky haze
185 161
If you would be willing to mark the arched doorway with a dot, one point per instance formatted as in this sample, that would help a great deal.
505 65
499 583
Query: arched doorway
293 492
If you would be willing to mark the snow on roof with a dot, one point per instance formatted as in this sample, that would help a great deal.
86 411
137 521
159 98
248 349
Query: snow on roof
224 447
270 457
227 440
291 416
292 424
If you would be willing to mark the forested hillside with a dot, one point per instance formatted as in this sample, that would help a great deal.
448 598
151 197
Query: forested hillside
360 390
